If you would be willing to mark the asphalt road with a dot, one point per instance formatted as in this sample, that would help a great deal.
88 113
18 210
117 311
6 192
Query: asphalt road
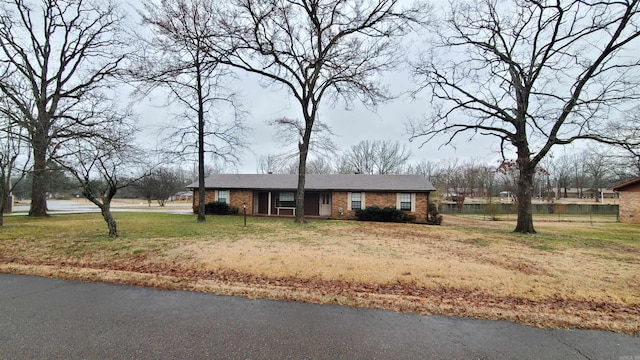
54 319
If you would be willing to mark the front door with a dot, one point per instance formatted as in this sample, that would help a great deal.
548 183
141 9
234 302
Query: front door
263 203
325 204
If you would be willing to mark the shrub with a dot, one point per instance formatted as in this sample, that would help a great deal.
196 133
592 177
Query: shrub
218 208
387 214
492 210
433 208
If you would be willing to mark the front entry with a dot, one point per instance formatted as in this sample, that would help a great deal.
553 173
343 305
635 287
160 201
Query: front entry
263 203
325 204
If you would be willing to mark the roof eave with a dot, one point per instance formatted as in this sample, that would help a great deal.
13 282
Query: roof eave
626 184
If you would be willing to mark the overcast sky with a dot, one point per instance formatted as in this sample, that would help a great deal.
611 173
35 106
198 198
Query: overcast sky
387 122
350 126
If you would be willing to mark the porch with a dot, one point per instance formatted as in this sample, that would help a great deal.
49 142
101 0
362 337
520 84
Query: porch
282 203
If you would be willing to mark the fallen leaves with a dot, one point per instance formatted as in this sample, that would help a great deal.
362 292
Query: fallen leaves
406 296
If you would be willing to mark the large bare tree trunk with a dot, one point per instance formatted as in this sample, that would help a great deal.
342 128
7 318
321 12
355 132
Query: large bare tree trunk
524 192
40 176
302 172
2 207
201 184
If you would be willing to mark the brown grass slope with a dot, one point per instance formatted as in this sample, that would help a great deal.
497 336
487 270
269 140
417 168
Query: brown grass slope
570 275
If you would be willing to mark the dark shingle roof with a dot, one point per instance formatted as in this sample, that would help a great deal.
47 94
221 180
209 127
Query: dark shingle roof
335 182
623 186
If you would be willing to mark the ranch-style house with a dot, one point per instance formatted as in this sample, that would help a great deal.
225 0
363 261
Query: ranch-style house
335 196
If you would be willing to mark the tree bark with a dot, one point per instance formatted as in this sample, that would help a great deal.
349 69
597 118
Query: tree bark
302 172
111 222
201 183
40 177
303 147
524 192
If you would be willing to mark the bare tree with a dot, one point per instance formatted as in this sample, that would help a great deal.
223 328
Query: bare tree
174 60
578 172
432 172
360 158
57 57
391 157
509 174
627 156
102 166
291 131
13 160
319 165
167 183
485 180
160 184
532 74
443 177
270 164
317 50
598 170
377 157
561 171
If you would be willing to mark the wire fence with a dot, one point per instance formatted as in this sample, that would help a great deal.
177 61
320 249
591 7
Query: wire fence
550 212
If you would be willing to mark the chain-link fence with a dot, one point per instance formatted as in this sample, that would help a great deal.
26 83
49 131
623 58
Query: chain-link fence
500 211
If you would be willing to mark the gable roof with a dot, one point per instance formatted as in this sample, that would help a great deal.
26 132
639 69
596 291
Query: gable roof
622 186
324 182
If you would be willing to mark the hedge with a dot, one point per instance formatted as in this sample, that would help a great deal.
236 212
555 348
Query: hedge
387 214
217 208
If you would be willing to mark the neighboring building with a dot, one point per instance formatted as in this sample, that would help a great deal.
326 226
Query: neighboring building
182 196
629 194
585 193
331 196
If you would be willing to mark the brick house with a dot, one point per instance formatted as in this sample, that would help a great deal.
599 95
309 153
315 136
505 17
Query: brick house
629 194
330 196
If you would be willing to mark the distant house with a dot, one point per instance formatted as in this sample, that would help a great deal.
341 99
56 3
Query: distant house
331 196
629 194
586 193
182 196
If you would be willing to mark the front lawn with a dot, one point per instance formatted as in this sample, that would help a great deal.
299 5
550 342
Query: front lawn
570 274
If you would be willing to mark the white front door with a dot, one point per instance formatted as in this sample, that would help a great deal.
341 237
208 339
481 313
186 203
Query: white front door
325 204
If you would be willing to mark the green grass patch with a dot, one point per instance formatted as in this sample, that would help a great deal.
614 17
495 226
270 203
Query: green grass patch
543 247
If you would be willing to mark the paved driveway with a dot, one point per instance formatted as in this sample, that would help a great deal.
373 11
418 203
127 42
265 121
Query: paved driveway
54 319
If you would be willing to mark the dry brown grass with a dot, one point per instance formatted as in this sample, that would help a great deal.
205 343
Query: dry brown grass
571 274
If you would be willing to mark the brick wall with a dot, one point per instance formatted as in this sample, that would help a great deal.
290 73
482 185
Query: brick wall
236 198
209 196
630 207
380 199
339 200
239 197
422 207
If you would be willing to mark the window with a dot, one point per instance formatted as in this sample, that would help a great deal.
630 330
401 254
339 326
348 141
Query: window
356 201
286 199
405 201
223 195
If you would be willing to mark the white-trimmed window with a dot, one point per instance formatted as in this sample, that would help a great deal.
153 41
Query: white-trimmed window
287 199
405 201
223 196
355 200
